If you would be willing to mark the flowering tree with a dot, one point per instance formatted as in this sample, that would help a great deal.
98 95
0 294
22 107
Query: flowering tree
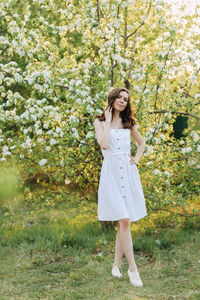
58 62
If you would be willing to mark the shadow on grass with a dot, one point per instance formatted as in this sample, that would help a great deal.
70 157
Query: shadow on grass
165 238
64 233
54 235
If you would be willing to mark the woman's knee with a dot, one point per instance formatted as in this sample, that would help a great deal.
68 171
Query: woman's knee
124 223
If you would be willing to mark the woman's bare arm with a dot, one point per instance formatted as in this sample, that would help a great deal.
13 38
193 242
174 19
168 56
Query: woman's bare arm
102 134
140 141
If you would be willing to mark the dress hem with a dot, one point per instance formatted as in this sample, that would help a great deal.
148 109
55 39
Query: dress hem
132 220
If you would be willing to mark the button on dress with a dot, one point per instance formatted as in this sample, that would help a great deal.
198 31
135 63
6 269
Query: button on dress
120 192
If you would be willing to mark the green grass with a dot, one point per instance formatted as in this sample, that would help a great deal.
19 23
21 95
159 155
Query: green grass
63 253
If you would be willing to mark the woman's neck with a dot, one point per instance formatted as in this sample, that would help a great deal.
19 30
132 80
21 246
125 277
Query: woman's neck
116 117
116 121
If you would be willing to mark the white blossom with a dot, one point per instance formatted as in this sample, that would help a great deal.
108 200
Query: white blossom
13 147
31 80
28 142
32 110
4 148
39 131
34 117
157 140
50 132
167 173
73 119
55 134
78 101
75 133
43 162
58 129
89 134
18 77
162 137
89 109
148 150
78 82
67 181
195 136
186 150
7 153
166 35
197 96
58 117
146 91
123 74
53 141
84 93
46 124
41 140
157 172
137 88
26 130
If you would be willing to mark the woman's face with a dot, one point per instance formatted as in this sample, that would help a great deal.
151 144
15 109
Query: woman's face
121 101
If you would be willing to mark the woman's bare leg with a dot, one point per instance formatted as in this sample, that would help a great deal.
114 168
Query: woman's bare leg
118 248
126 242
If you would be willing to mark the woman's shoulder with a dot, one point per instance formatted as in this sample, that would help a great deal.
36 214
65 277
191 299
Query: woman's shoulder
98 122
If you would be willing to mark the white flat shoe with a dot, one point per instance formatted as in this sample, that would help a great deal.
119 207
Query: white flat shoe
116 272
134 278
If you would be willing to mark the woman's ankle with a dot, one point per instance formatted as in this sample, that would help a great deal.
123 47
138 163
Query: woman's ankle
133 267
115 265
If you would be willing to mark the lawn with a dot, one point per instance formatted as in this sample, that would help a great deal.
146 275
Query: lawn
60 251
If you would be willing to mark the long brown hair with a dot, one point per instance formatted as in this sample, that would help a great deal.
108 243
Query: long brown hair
127 115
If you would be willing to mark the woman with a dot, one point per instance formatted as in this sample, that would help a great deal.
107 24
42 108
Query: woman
120 193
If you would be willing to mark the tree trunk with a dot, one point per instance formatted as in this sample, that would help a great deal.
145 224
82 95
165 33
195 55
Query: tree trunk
106 225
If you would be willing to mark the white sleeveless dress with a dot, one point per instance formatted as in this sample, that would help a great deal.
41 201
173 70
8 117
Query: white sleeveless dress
120 193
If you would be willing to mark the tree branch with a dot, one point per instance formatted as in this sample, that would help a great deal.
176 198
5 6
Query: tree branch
173 112
176 213
186 93
132 58
142 23
98 14
39 82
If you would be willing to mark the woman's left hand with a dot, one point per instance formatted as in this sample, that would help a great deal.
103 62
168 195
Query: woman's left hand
133 161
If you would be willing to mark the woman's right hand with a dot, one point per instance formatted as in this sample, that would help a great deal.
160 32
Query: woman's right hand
108 114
